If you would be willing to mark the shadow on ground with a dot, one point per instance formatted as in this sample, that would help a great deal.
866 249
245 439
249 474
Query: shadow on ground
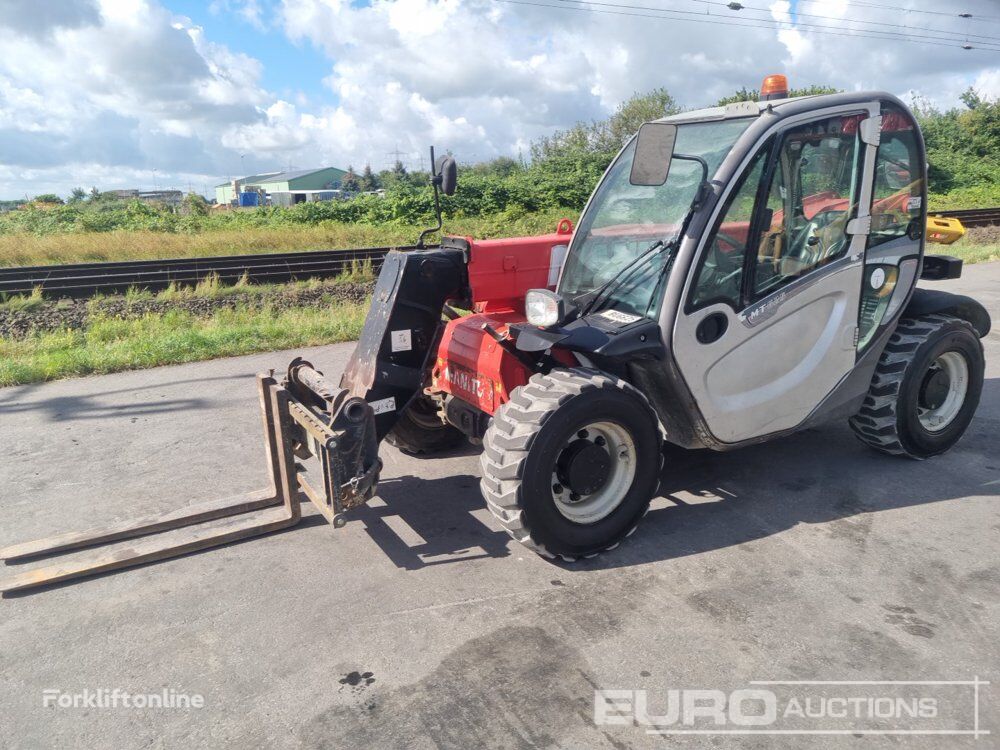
709 500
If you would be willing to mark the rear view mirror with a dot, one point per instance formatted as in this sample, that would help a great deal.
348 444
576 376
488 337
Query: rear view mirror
653 150
447 172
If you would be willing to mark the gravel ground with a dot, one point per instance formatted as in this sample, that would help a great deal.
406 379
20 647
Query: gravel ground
77 314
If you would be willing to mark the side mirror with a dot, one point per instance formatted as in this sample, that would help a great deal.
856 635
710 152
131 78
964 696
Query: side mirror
447 174
654 149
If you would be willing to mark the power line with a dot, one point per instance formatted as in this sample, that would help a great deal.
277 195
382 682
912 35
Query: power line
796 13
896 9
910 37
760 23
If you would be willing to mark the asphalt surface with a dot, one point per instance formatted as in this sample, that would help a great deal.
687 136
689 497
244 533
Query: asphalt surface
421 625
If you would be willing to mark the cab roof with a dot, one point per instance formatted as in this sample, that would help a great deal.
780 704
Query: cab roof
784 106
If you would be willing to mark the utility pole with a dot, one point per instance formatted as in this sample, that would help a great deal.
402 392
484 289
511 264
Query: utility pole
395 154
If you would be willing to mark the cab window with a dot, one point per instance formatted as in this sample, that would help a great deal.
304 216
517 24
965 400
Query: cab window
720 273
896 205
811 195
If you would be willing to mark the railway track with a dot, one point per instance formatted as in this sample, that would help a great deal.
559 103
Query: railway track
82 280
974 217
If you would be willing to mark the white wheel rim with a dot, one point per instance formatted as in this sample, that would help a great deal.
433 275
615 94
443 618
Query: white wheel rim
597 505
956 368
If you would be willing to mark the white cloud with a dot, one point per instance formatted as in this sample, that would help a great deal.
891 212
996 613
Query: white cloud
110 89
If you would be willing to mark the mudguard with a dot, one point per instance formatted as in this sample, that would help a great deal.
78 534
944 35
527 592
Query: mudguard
390 361
930 301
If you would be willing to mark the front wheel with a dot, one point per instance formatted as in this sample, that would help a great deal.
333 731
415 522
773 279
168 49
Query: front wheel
925 389
571 462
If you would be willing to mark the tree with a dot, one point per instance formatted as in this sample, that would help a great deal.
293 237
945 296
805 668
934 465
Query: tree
77 195
349 182
605 137
368 179
614 132
753 95
95 195
50 198
195 204
971 98
398 170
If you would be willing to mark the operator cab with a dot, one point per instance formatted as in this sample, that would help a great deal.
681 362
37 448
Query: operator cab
776 232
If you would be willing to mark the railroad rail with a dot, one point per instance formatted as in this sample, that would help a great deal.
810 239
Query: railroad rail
81 280
973 217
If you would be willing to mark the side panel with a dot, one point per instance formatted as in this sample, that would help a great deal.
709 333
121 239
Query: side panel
778 359
472 366
502 271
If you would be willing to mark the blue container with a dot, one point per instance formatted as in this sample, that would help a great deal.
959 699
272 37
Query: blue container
248 200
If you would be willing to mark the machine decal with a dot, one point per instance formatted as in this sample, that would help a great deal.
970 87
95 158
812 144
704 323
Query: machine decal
384 405
768 307
402 341
470 385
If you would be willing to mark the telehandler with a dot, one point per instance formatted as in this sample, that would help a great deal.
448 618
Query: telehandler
739 273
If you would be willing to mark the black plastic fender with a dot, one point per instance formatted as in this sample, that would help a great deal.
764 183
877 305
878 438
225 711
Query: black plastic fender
929 301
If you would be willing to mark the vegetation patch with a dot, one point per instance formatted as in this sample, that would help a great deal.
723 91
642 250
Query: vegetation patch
18 321
110 344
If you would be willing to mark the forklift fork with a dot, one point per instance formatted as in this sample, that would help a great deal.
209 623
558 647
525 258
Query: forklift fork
332 426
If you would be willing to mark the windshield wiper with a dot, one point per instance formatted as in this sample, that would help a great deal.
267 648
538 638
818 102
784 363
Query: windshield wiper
633 265
626 273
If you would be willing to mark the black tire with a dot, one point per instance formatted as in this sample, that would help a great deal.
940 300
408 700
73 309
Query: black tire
420 430
527 436
889 421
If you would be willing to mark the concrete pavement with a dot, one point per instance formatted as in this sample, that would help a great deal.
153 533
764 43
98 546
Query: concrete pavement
421 625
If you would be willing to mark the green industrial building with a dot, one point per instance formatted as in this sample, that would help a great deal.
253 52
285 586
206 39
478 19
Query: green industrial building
303 182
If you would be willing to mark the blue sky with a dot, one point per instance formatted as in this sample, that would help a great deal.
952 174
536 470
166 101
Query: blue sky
289 68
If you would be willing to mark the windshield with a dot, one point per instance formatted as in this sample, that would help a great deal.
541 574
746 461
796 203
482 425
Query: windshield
623 220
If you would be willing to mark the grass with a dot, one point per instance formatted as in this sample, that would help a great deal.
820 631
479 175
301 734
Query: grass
109 345
89 247
979 245
23 302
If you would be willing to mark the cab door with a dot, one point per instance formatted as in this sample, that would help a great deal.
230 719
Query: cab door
769 323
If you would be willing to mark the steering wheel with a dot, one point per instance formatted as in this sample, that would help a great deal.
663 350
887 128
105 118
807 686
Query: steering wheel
803 247
723 267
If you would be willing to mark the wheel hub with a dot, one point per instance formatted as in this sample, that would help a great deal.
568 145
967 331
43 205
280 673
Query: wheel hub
593 472
584 467
934 389
942 391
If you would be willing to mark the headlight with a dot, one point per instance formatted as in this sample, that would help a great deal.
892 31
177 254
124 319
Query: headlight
543 308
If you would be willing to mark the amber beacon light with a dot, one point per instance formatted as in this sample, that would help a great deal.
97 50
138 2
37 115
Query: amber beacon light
774 87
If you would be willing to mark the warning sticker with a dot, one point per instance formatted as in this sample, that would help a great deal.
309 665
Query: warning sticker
617 316
384 405
402 341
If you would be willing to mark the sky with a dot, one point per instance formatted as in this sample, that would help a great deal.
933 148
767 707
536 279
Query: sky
187 94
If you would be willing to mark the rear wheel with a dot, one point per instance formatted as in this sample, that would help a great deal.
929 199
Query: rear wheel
571 462
925 389
420 429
